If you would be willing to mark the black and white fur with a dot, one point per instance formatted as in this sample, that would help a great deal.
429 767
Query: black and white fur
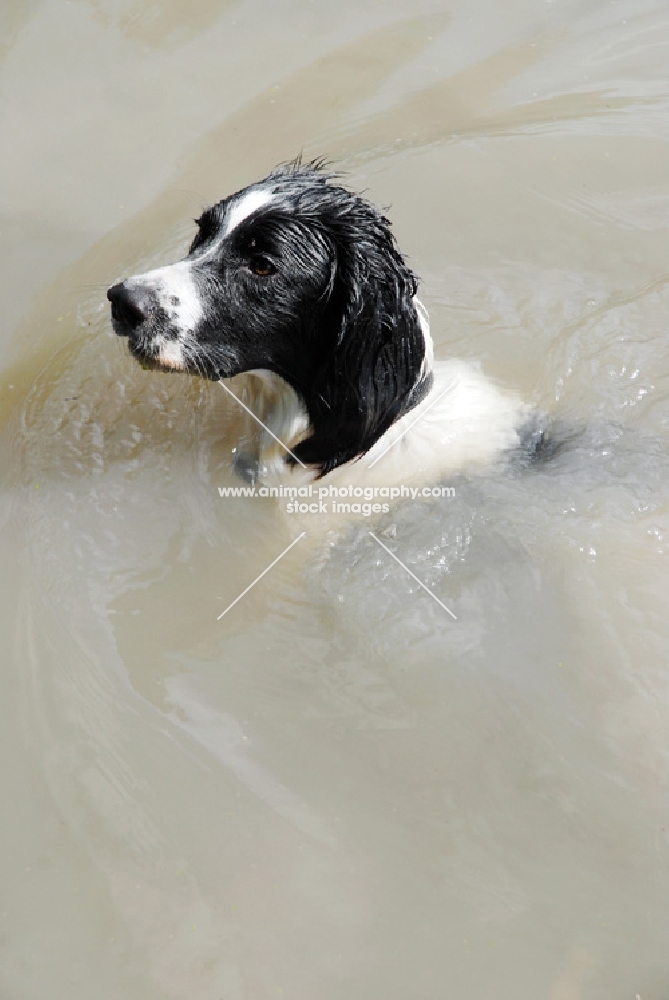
300 283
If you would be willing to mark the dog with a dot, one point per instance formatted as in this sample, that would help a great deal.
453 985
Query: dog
298 284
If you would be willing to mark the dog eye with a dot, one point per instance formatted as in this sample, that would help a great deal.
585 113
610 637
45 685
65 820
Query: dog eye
262 266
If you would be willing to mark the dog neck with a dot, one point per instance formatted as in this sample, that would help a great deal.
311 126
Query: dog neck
330 423
373 370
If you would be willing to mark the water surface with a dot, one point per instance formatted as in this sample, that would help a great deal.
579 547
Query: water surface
336 791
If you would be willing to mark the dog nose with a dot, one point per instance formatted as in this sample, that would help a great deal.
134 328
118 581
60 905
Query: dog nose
129 307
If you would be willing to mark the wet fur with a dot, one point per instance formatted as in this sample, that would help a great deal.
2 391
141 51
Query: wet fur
300 281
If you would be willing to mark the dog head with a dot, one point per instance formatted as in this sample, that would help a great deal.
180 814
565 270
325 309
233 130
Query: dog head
298 276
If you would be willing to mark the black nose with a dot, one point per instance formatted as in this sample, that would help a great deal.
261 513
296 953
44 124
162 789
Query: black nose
128 307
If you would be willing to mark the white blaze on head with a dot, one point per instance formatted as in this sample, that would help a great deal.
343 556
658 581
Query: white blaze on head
247 205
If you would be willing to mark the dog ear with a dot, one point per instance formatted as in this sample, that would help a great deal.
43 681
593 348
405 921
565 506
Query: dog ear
370 371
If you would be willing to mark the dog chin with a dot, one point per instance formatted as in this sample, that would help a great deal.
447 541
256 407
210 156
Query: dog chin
152 360
153 364
162 360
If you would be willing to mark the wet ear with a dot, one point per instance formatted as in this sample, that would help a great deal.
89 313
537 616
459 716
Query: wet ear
374 348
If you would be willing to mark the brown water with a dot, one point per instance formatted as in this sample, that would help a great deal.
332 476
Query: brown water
336 791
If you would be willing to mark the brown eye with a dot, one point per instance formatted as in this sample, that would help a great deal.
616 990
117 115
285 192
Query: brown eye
262 266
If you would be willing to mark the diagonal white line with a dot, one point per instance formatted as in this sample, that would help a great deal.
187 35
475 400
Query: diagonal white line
294 542
412 574
258 420
415 421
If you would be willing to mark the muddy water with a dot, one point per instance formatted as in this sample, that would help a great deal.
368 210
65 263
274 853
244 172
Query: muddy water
336 790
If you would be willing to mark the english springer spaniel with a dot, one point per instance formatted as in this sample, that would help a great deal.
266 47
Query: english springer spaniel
299 283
